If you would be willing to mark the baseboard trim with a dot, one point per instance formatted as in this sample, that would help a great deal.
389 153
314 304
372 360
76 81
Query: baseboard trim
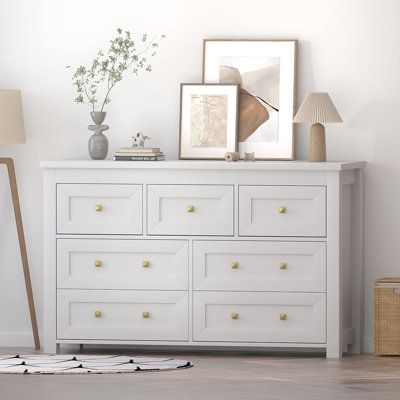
19 339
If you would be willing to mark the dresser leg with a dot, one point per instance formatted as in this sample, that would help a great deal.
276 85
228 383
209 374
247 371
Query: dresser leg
333 352
58 347
51 348
81 348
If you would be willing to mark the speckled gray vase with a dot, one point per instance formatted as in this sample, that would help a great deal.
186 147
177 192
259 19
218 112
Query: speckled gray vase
98 143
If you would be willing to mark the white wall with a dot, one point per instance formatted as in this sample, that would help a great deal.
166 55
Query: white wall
349 48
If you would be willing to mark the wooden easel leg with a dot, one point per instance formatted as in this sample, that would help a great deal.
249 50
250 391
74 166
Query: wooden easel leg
22 246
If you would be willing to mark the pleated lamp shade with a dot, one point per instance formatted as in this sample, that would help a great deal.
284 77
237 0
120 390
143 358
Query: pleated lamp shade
317 108
11 117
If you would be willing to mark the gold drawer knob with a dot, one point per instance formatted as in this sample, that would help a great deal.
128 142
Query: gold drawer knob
98 207
234 265
190 209
234 315
145 264
283 317
282 266
146 314
97 314
282 210
97 263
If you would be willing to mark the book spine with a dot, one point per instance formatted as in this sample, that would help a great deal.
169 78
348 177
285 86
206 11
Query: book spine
139 149
134 154
137 158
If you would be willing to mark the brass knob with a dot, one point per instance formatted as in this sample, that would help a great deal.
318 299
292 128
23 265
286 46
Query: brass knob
145 264
234 315
283 317
282 210
190 209
97 263
97 314
146 314
282 266
234 265
99 207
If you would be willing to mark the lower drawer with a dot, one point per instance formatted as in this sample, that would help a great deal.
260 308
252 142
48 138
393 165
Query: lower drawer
263 266
259 317
122 315
122 264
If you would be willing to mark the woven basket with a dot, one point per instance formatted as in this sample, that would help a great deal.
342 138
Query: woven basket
387 316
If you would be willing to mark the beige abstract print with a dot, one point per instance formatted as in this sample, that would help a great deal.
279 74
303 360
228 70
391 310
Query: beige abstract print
208 120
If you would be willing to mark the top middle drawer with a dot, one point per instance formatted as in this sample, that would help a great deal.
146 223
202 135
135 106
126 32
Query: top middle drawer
190 210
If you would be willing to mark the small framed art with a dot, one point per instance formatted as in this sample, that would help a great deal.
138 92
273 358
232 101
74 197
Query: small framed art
266 73
208 120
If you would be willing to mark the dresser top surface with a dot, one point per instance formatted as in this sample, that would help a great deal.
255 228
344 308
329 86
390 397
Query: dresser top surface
204 164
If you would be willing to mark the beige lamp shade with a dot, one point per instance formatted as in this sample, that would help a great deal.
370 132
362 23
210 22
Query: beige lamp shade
11 117
317 108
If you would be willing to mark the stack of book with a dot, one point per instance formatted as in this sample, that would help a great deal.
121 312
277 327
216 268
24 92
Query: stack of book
139 154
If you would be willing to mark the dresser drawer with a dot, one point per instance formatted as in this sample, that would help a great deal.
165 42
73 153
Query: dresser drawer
259 266
282 211
259 317
122 315
99 209
122 264
190 209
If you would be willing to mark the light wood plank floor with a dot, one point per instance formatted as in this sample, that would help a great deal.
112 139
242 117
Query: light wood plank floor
219 376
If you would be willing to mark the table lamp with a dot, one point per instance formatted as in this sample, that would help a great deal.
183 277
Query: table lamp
12 131
317 109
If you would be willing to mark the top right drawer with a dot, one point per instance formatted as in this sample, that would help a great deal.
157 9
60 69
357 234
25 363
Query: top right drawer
282 211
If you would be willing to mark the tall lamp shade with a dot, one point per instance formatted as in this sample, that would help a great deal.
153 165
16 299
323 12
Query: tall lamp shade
317 109
12 131
11 117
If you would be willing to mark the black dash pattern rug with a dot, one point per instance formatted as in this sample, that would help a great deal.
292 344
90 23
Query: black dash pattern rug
86 364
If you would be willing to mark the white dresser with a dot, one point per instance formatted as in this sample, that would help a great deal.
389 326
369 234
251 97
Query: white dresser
204 253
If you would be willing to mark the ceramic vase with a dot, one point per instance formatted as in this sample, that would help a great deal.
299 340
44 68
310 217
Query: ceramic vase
98 142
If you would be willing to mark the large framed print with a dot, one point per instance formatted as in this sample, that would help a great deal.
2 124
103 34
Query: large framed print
266 73
208 120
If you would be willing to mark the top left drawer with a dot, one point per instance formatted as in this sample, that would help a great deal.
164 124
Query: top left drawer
99 209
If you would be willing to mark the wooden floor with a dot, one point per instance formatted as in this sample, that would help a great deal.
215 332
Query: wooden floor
219 376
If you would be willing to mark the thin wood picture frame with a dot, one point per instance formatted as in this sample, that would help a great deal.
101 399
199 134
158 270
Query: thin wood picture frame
264 128
208 130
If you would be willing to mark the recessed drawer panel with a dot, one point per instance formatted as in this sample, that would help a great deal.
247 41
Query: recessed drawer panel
259 317
122 264
122 315
282 211
190 210
99 209
259 266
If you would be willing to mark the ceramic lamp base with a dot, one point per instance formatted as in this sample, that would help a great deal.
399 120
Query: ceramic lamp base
317 151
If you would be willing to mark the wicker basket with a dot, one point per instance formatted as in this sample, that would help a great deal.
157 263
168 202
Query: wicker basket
387 316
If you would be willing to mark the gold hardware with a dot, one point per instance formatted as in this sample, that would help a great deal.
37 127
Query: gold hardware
97 263
282 317
234 315
234 265
99 207
282 210
97 314
146 314
190 209
146 264
282 266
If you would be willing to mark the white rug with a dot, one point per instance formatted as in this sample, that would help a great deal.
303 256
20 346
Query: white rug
81 364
